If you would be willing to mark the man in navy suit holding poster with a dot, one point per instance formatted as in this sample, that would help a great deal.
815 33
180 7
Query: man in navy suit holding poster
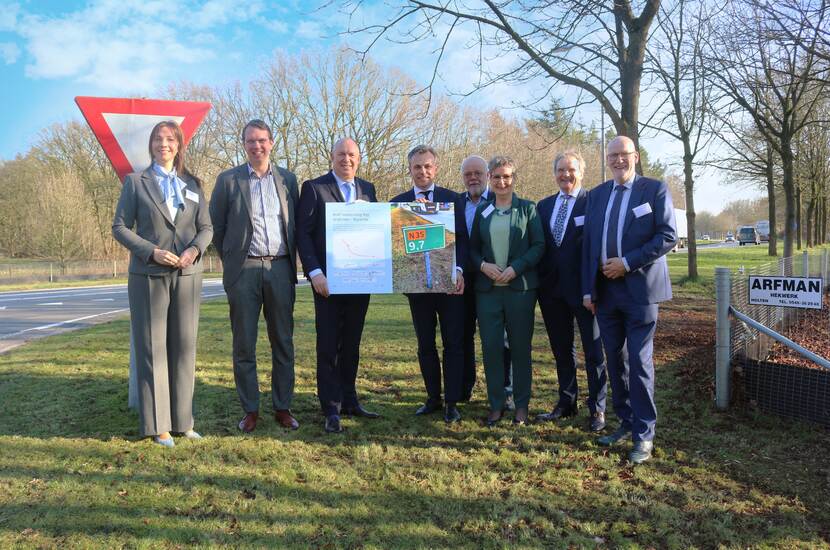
430 309
630 227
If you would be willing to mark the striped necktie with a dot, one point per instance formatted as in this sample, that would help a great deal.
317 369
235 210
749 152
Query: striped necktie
559 222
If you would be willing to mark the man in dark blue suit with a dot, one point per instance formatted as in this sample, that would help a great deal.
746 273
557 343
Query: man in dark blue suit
337 318
630 228
429 308
560 293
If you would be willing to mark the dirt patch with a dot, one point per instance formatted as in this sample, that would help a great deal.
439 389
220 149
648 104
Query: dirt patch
686 335
812 331
409 272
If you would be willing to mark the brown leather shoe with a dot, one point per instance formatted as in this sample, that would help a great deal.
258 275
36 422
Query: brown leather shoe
285 419
248 424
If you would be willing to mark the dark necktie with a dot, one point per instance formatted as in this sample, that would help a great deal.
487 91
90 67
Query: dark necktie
613 222
425 195
559 222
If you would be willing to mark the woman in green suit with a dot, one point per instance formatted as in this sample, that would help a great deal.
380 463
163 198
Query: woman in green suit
506 243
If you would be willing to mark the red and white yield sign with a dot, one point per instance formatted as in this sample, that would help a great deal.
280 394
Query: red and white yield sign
122 125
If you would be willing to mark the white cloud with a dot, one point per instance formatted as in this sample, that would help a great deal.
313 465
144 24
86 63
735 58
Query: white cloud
8 17
9 52
274 25
310 30
128 45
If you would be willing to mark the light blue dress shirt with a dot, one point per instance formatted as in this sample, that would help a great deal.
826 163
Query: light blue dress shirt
266 216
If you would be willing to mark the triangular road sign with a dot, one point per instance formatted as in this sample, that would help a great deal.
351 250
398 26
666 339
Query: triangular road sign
122 125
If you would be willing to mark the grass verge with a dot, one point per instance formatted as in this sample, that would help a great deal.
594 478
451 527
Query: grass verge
73 472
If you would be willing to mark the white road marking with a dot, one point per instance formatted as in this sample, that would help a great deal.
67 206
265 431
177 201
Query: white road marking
50 304
104 300
54 325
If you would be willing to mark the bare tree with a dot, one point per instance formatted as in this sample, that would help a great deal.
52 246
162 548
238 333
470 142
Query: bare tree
72 147
596 47
770 80
61 200
813 170
675 59
17 200
812 15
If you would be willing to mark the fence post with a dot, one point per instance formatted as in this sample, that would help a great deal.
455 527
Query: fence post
723 292
210 264
114 269
805 264
51 276
824 274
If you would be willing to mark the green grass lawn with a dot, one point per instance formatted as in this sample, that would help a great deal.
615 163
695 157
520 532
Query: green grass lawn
74 474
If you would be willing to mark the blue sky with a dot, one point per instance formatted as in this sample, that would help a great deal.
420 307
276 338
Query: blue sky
52 51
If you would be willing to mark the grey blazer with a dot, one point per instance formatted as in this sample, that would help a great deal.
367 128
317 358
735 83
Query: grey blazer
230 211
142 223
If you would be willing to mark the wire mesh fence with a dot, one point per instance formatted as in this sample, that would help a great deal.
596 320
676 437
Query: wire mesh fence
770 375
19 272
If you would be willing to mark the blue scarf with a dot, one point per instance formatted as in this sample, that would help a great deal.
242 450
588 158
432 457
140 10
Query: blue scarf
171 185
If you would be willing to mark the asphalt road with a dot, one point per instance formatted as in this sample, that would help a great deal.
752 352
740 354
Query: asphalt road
702 246
25 315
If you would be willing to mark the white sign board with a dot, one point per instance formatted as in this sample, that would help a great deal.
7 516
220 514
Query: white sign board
803 292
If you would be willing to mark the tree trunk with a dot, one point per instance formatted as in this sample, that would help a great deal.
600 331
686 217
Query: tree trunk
772 249
689 185
811 214
631 57
789 197
798 224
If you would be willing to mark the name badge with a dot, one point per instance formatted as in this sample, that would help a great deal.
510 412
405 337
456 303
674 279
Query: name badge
191 196
487 211
579 221
642 210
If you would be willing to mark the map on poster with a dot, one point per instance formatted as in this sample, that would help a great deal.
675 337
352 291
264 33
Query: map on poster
383 248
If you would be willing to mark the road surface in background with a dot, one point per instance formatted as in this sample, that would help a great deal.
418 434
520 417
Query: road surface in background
29 314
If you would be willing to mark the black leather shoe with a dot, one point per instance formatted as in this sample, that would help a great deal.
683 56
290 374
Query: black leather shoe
429 407
641 452
358 410
493 418
333 424
597 422
520 419
614 437
451 413
559 411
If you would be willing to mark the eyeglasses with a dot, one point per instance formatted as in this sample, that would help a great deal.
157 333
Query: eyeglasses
619 156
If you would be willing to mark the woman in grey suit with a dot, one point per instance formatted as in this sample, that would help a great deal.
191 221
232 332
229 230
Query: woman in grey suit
506 243
162 218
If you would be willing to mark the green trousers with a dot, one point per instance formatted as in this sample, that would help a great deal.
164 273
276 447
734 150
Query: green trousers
498 309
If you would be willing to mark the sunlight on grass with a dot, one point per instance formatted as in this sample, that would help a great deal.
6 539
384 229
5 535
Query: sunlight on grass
73 472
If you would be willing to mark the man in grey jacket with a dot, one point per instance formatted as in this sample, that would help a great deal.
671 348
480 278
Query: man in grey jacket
252 209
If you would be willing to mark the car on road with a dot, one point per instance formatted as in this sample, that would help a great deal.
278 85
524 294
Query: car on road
706 238
748 235
730 238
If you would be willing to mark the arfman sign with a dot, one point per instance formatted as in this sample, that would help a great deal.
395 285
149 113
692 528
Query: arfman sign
803 292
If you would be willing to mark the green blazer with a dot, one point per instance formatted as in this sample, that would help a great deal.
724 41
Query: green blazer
526 244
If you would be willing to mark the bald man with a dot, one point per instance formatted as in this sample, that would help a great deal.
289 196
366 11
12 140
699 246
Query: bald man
630 227
338 318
